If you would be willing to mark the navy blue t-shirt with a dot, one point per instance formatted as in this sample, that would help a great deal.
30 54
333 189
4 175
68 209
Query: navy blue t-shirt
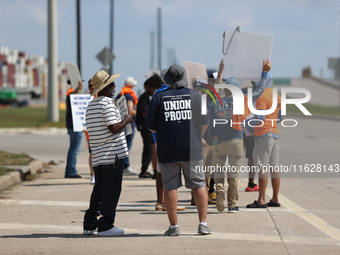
129 97
176 116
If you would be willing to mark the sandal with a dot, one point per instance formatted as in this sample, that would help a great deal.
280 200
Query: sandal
272 204
256 205
158 207
145 175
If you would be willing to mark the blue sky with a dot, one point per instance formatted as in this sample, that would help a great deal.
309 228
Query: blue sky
305 32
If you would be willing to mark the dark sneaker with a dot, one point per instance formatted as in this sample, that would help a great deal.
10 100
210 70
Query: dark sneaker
233 209
172 232
204 230
73 176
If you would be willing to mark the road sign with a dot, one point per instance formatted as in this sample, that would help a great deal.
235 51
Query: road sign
105 56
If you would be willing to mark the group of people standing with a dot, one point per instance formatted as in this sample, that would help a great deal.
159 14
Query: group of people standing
178 139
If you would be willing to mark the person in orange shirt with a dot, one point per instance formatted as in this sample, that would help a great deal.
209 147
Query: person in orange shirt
266 149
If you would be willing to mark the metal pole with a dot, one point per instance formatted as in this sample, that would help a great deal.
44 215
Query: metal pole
52 98
159 37
78 37
152 50
111 33
339 64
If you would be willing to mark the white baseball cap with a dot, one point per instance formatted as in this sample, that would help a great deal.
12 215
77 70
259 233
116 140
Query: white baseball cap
130 81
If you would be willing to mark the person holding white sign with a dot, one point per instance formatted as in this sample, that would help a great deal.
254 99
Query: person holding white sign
228 137
75 137
109 149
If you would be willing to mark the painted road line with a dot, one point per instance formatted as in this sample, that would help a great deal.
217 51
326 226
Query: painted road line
312 219
45 228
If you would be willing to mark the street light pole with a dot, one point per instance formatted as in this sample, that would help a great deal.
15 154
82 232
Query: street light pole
339 62
52 98
111 34
78 37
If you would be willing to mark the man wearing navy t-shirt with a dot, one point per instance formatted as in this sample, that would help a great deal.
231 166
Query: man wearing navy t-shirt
175 115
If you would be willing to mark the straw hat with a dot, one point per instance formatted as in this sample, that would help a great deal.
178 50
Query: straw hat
101 79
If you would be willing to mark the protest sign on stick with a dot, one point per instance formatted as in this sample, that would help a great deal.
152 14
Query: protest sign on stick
74 74
194 70
244 52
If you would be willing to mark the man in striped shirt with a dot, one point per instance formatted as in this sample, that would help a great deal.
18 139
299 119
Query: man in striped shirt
108 145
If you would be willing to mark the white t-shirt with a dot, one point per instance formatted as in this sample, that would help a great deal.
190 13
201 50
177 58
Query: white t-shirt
102 112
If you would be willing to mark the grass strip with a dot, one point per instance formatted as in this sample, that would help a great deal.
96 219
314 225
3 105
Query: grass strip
14 159
28 117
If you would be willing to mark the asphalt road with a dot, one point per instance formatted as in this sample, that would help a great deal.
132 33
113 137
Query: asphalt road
45 215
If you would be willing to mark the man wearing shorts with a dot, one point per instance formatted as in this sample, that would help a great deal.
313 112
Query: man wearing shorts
228 139
174 114
266 149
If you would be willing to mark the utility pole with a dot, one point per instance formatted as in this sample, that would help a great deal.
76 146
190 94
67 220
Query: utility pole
111 33
78 37
152 50
159 37
339 63
52 98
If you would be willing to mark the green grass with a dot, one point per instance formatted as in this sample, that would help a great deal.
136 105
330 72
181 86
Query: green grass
314 110
28 117
4 170
14 159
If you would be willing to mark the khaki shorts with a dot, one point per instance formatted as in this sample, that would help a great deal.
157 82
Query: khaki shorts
172 178
266 151
208 156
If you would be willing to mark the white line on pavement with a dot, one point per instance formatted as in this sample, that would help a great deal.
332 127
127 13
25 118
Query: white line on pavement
308 216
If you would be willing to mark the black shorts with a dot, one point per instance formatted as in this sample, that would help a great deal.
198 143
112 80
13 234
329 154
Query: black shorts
249 142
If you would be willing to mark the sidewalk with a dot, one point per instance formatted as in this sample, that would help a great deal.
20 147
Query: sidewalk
45 216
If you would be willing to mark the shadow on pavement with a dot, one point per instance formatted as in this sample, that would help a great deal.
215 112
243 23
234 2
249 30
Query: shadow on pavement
78 236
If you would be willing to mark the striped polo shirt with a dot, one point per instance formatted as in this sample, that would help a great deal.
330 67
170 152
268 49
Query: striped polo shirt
100 113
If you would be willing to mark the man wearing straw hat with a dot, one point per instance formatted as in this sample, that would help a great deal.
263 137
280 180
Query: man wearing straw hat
108 145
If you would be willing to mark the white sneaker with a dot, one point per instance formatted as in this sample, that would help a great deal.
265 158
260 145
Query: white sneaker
93 181
112 232
129 171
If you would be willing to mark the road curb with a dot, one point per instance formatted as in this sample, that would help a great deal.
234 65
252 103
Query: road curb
18 174
35 165
9 179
